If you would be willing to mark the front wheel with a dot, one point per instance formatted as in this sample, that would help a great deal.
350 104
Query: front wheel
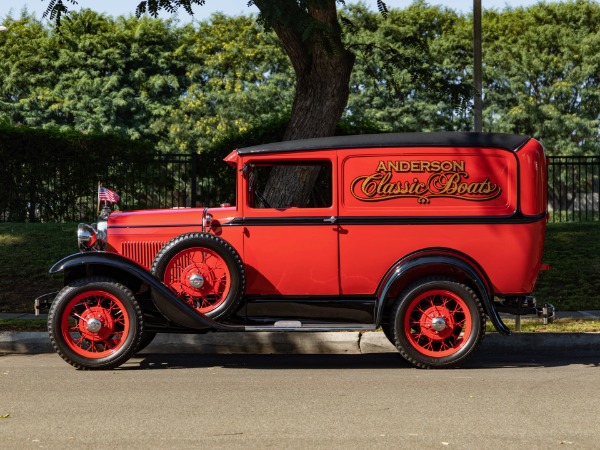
437 323
145 340
95 323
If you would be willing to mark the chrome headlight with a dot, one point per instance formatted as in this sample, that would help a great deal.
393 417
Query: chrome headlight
92 237
101 233
86 237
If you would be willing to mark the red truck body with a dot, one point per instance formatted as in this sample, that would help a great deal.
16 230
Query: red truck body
394 230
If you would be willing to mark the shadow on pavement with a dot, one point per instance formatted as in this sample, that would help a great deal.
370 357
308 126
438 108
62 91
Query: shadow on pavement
372 361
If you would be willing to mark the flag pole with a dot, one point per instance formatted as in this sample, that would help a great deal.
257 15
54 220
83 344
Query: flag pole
98 194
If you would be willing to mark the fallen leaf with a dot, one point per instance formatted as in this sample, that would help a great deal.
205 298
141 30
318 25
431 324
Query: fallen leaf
5 416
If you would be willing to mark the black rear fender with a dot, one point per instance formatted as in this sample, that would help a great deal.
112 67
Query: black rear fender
441 262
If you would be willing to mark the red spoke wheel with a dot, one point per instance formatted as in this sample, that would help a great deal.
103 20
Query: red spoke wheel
438 323
201 276
95 323
204 271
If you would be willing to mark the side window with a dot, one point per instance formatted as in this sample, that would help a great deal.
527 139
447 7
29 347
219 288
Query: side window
300 184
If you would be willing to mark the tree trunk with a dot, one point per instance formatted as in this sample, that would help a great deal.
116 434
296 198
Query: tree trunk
323 66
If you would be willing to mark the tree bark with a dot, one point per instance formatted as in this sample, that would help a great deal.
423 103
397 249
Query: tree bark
312 38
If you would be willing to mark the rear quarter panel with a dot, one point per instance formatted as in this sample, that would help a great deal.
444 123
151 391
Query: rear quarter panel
395 202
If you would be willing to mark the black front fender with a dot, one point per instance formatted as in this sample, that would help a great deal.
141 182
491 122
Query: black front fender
172 307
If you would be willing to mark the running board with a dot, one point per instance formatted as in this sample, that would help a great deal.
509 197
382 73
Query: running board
294 325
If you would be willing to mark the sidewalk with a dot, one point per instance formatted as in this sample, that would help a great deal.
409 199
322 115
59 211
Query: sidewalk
309 342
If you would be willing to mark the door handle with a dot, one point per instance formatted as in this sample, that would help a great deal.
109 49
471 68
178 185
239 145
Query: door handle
332 219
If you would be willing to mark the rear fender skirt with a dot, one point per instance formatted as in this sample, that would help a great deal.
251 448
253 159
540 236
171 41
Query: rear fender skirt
171 306
439 257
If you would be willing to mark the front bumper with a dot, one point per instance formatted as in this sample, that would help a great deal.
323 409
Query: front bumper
43 302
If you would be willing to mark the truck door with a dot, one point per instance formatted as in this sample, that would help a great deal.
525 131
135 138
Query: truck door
290 244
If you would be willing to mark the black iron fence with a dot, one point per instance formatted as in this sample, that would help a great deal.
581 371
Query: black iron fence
574 188
59 190
66 190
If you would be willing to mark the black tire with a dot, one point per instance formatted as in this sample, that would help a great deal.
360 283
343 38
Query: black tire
220 270
145 340
387 331
95 323
437 323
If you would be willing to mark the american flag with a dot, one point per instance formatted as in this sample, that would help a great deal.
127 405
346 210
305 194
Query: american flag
105 194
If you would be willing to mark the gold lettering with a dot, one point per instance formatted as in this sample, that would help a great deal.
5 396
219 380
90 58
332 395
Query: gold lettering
369 187
432 166
380 186
404 166
415 166
446 166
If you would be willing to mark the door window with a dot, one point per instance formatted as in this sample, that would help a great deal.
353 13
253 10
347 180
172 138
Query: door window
279 185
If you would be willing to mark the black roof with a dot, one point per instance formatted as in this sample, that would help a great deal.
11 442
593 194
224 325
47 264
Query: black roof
510 142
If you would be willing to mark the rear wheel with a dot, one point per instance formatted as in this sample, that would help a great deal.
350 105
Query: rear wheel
437 323
95 323
387 331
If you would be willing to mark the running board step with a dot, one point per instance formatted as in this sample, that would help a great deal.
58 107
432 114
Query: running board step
294 325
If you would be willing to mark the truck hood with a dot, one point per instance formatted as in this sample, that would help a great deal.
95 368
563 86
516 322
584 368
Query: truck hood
175 216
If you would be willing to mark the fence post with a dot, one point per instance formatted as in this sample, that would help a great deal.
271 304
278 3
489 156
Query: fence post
194 178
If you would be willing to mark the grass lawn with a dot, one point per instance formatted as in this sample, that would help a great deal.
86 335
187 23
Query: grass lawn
23 325
559 326
573 281
28 250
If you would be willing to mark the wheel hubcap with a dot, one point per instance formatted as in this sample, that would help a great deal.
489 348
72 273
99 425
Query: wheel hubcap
196 281
438 324
94 325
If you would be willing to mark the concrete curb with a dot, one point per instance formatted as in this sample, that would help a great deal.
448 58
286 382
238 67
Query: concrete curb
258 343
308 343
573 342
24 342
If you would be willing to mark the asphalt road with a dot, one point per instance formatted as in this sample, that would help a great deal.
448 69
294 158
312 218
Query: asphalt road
505 400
